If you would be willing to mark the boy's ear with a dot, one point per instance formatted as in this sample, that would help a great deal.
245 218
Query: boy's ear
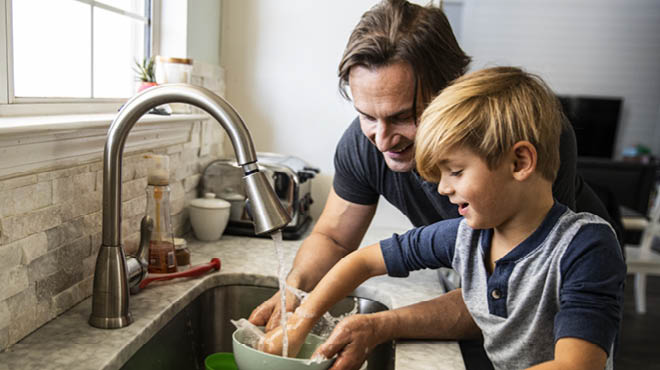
524 160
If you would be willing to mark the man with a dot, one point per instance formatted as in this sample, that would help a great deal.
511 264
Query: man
398 57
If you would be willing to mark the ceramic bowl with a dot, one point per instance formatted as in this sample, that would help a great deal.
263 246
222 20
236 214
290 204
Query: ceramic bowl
209 217
248 358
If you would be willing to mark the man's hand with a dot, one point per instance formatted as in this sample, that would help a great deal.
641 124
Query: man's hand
337 233
352 340
269 313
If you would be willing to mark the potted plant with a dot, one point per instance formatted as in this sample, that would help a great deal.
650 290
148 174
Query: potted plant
145 73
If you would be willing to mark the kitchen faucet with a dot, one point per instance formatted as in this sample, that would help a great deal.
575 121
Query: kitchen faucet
110 308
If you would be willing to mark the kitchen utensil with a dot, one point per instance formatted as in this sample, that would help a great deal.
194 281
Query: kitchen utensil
248 358
193 271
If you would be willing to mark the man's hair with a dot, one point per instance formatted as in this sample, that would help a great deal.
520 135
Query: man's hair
488 111
396 30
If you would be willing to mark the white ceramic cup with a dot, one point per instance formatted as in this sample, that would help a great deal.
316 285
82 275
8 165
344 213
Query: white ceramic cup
209 217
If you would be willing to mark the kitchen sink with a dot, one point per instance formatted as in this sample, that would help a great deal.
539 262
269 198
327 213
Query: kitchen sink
203 327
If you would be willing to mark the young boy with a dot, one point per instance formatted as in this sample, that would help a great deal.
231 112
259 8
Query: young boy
543 283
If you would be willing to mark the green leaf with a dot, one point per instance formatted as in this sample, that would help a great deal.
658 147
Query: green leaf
145 70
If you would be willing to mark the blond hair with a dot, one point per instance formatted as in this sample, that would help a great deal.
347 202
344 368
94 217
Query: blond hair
488 111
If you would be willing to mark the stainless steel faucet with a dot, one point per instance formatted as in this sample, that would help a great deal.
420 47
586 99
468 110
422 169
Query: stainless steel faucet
110 308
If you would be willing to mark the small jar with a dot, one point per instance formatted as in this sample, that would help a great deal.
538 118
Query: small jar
182 254
174 70
209 217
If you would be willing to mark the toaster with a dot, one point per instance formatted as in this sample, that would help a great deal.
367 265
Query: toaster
290 177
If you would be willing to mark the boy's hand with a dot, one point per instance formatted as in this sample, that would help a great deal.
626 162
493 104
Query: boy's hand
268 313
352 340
273 340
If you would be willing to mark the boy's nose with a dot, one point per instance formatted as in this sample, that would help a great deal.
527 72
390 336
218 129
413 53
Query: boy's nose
444 188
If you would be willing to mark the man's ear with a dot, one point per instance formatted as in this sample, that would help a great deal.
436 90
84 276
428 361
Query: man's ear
524 160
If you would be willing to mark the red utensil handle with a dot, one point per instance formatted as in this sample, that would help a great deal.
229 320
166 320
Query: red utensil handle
193 271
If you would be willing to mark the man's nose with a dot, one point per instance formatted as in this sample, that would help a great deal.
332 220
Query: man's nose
382 135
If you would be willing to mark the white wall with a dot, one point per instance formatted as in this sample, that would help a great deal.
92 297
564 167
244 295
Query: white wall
190 29
204 31
580 47
280 60
173 25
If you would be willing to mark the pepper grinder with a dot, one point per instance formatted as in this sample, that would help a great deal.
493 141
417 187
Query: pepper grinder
161 245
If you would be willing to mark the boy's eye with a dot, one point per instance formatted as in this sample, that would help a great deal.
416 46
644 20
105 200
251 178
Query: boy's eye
455 173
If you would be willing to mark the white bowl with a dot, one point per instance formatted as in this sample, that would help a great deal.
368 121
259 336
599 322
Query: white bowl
209 217
248 358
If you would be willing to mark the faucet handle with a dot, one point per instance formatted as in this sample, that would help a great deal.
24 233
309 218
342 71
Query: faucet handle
146 229
137 265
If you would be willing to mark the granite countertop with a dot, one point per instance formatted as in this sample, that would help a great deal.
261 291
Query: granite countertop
68 342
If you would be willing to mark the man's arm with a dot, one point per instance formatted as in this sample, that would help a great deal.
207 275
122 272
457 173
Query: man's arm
337 233
445 317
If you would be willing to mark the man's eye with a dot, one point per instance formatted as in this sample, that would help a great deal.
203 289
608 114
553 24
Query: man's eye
368 118
403 119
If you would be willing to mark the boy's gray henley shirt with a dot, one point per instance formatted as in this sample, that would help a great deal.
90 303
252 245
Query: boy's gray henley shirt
564 280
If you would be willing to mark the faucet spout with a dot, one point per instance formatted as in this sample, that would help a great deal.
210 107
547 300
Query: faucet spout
110 308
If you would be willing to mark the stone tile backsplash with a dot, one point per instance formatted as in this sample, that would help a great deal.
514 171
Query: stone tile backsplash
50 231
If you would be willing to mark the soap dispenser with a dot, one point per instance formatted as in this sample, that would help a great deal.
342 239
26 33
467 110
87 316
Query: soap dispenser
161 245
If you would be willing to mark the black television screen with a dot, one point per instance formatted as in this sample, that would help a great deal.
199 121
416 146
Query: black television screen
595 121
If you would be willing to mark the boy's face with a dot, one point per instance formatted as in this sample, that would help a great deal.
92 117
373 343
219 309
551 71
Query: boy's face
484 196
384 99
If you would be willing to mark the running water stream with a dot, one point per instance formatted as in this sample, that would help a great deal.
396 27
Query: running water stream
325 325
277 239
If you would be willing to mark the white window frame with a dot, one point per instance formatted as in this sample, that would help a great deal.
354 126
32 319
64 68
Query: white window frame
42 134
21 106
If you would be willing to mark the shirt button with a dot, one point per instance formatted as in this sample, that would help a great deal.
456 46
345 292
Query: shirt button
496 294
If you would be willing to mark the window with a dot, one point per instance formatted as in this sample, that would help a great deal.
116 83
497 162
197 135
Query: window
74 50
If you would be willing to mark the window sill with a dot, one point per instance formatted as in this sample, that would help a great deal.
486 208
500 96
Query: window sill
29 144
56 123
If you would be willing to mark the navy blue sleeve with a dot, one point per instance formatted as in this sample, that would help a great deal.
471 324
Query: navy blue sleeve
424 247
352 168
591 295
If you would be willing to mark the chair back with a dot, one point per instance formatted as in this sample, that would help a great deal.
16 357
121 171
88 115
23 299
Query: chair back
652 230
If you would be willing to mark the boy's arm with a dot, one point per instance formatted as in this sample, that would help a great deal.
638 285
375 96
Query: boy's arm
342 279
575 353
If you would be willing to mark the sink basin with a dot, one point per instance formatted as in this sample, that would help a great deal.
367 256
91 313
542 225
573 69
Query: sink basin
203 327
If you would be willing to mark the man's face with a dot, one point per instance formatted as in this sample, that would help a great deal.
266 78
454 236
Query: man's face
383 98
